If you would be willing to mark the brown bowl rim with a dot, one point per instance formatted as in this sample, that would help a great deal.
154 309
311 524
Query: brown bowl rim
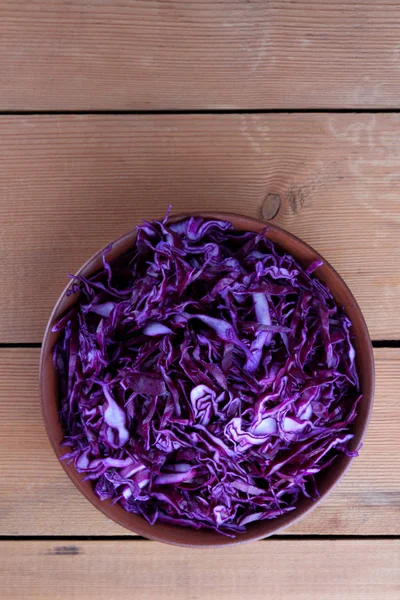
104 506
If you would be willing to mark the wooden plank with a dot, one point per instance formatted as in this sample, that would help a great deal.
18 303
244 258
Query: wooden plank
37 498
92 54
72 184
277 569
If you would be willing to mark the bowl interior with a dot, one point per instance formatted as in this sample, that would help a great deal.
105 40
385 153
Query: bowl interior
326 480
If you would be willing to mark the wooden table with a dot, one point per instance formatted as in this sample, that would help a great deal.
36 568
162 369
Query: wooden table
109 112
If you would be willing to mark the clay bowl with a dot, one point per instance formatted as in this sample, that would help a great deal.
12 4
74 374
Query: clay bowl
305 255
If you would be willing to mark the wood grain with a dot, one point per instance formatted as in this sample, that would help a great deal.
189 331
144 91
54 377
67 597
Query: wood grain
37 498
96 54
71 184
277 569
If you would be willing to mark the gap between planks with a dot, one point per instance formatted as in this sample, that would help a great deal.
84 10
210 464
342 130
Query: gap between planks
138 538
201 111
375 344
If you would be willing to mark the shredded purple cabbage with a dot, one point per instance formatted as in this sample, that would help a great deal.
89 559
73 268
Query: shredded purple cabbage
205 378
